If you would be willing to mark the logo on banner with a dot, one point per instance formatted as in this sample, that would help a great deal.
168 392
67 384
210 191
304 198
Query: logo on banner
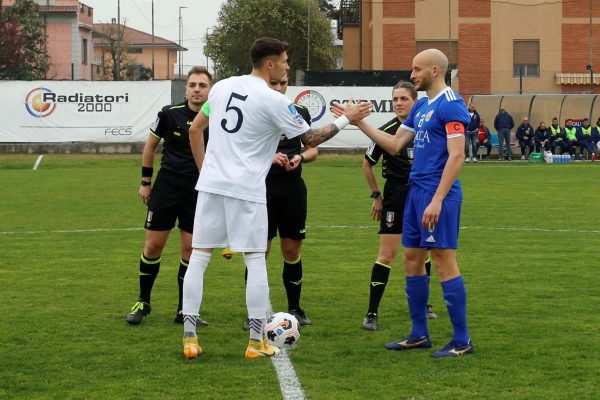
36 105
314 102
41 102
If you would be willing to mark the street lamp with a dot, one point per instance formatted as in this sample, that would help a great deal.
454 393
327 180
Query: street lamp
206 42
308 38
117 68
180 39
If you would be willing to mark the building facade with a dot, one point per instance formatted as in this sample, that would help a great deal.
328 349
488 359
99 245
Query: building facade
77 50
137 48
493 47
68 26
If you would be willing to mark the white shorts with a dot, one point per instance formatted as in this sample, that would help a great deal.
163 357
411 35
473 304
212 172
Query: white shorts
222 221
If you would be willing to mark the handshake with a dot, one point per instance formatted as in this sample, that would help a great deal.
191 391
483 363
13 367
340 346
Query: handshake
353 110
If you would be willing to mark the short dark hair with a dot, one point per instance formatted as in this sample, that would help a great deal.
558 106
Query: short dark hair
264 47
408 86
200 70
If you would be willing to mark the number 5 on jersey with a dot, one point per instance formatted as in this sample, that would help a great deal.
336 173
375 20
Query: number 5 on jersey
240 116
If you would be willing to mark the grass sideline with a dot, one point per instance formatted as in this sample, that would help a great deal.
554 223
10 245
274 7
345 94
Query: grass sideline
70 238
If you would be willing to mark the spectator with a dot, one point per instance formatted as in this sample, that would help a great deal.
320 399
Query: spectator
541 137
525 137
471 136
558 138
596 134
503 124
484 138
571 137
584 138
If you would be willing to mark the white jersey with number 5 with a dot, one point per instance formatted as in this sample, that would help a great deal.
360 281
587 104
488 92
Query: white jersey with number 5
246 118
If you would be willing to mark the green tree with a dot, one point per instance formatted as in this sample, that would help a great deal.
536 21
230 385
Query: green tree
330 9
242 21
23 53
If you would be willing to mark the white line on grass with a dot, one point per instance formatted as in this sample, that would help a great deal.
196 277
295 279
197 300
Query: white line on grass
71 231
489 228
288 380
514 229
37 162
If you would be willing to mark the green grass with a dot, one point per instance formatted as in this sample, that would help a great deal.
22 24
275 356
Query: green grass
68 267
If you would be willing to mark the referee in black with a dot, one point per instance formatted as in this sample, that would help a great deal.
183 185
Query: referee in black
287 207
388 208
172 197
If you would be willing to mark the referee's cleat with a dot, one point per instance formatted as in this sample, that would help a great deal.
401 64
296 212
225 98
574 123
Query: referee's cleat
191 348
139 310
300 316
454 349
409 343
179 319
370 321
430 313
260 349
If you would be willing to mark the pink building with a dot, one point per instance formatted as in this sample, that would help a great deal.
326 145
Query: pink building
69 25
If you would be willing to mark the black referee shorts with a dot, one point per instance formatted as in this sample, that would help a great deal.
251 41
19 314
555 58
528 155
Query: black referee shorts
173 198
392 212
286 207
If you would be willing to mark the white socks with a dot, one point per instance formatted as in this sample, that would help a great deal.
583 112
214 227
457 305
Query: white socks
257 293
193 286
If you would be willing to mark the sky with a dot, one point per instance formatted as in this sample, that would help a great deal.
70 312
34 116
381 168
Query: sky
197 18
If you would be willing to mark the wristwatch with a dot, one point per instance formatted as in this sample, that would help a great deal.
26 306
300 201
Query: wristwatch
146 183
375 195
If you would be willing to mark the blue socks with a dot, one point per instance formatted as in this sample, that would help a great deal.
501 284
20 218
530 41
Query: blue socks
455 296
417 294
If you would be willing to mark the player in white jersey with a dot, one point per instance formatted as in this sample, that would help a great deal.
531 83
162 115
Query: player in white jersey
246 119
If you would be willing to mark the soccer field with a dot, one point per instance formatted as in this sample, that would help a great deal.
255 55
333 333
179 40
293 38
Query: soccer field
71 235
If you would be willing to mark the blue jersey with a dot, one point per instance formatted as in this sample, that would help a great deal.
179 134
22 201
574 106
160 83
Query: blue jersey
429 120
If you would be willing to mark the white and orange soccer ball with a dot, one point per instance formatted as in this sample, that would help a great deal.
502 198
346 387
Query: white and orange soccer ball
282 330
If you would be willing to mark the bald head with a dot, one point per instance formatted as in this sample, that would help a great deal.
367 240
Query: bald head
434 58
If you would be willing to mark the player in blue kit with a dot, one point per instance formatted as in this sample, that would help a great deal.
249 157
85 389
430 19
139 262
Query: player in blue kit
437 125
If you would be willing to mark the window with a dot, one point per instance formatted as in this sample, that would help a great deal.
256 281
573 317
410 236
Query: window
448 47
526 58
134 50
84 51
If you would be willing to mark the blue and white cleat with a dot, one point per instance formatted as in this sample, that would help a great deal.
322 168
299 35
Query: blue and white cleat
409 343
454 349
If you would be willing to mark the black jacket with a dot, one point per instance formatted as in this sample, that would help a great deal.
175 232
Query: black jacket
504 121
474 124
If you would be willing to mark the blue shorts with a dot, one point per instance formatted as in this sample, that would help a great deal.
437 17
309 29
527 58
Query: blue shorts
443 236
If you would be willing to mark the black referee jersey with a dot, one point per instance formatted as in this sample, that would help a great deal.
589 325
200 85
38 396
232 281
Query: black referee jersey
291 147
395 167
172 125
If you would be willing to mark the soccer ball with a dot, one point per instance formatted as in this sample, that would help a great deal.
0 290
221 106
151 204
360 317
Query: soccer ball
282 330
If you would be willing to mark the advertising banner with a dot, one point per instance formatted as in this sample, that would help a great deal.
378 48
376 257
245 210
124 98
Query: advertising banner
122 112
80 111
